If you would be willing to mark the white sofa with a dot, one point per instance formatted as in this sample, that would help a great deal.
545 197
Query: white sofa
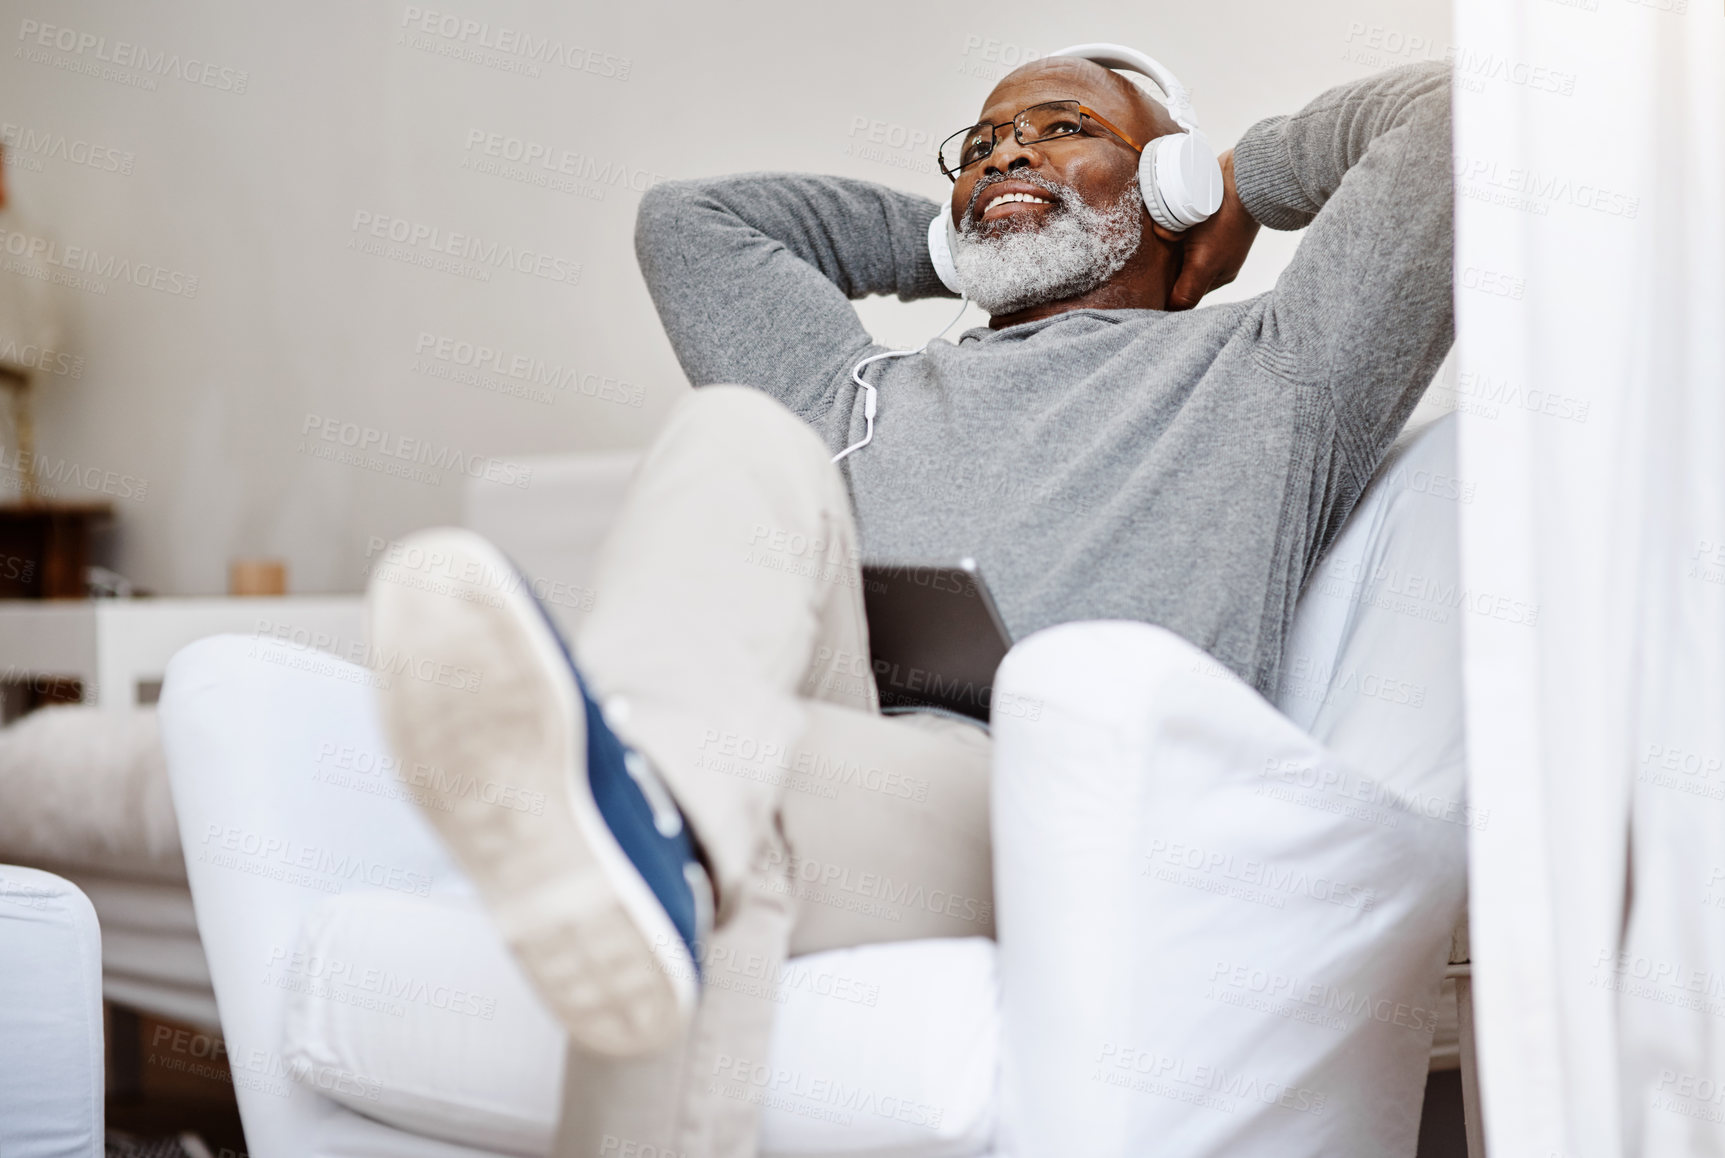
370 1011
50 1018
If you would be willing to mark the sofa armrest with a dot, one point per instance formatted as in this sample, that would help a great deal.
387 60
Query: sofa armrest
285 795
50 1017
1260 927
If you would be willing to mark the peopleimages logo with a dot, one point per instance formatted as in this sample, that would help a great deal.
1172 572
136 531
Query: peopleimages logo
558 161
989 59
1536 188
459 32
890 143
323 868
793 1090
337 975
81 259
125 54
22 139
33 357
437 242
39 475
531 370
1486 392
419 451
1199 1083
1267 878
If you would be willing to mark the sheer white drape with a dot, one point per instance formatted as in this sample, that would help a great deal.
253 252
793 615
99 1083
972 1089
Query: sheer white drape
1590 271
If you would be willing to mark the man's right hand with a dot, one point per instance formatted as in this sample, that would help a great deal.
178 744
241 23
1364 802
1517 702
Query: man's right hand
1215 250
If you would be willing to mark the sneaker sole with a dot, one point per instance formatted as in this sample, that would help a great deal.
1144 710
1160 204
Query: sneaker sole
487 696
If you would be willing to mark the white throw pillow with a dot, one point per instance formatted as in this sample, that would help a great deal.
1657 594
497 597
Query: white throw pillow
411 1011
884 1050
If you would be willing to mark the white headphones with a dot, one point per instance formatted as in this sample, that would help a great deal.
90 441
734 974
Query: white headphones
1177 173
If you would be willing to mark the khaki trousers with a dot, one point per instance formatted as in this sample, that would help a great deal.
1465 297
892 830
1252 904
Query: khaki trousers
728 643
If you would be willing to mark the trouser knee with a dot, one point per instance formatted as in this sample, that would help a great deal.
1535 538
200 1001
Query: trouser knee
733 419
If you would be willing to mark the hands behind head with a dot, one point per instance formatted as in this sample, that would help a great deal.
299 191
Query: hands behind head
1214 250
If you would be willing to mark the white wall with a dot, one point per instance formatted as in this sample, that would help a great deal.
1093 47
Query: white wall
205 398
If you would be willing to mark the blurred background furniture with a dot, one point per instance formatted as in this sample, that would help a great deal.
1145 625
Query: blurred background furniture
117 649
45 546
83 792
50 1020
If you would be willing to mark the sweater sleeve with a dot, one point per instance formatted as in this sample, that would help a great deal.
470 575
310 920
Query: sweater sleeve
752 275
1365 310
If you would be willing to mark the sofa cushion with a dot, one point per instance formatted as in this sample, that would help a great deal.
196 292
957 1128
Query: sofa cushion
411 1011
883 1050
86 788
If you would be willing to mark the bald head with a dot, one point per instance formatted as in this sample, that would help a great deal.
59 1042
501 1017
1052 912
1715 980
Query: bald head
1108 92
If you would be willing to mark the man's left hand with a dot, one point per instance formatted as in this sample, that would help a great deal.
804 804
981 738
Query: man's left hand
1215 250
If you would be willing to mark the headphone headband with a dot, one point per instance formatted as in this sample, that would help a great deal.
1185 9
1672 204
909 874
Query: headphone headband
1131 60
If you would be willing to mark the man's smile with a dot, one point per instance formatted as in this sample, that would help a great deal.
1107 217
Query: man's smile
1007 199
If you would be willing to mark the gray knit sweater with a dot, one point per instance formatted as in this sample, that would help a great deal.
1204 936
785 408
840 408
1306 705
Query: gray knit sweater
1183 469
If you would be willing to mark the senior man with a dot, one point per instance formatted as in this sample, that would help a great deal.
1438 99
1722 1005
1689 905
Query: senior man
1103 450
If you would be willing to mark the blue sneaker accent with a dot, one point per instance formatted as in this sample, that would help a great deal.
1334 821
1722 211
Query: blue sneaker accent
663 859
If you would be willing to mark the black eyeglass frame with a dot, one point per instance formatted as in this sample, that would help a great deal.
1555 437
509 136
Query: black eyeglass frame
1084 111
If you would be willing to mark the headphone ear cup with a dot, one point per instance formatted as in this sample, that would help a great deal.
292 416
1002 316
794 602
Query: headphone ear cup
1150 186
1184 185
941 236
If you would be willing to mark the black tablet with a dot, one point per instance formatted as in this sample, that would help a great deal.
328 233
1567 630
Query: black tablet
935 636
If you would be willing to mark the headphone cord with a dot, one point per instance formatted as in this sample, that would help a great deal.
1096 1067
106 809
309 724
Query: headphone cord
869 391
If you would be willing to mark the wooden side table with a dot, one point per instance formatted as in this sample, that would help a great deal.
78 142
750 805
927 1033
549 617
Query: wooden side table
45 548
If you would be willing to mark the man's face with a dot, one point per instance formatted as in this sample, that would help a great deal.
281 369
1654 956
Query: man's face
1094 166
1052 220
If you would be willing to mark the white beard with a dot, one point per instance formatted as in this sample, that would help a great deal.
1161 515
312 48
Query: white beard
1076 249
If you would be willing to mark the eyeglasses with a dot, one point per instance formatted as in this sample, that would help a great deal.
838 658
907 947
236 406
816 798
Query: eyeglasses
1044 122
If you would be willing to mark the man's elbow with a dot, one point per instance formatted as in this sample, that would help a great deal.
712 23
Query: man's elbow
656 218
1428 89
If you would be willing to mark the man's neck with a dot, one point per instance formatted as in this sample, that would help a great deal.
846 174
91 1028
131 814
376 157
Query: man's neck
1142 284
1109 296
